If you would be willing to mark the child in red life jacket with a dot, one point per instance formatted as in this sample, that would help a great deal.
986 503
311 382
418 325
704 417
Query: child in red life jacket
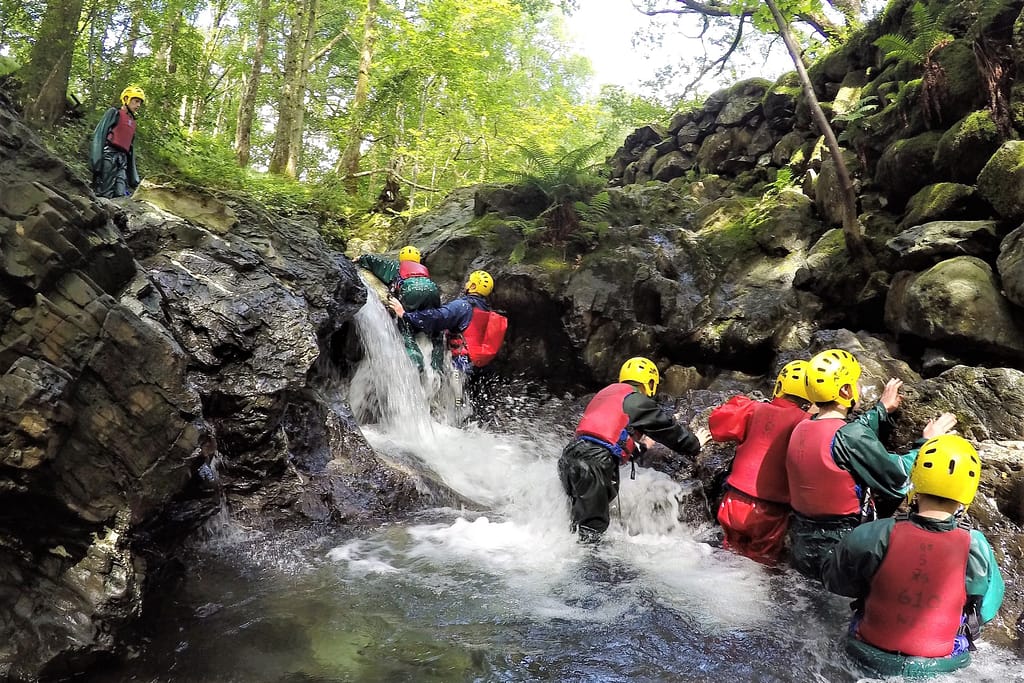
475 332
924 583
838 470
614 423
112 152
754 512
409 281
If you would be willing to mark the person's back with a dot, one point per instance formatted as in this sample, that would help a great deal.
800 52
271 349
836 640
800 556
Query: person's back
615 423
754 511
924 583
840 473
409 281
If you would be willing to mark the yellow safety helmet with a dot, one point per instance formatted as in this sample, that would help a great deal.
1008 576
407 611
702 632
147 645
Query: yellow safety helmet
947 466
828 372
132 91
792 380
643 371
480 282
409 253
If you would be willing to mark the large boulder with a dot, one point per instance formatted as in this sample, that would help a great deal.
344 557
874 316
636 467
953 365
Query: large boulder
906 166
956 303
966 147
925 245
1001 181
1011 266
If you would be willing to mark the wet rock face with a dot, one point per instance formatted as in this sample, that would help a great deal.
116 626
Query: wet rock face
151 367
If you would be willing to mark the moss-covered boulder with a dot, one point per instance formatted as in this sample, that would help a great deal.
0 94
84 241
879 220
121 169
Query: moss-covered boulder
962 92
957 304
828 192
906 166
924 245
1001 181
943 201
779 103
1011 266
967 146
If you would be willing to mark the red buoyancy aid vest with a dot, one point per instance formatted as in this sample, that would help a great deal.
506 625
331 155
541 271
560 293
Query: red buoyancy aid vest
818 487
123 132
408 269
759 468
604 419
482 338
918 594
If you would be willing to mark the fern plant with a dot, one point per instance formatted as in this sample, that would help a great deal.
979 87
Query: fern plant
929 37
564 178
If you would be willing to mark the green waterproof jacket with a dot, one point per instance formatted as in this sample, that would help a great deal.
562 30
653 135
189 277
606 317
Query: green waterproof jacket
858 449
99 139
850 568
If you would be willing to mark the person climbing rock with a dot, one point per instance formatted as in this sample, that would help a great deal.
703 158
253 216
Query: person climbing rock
754 512
612 432
924 582
475 332
112 152
409 282
840 474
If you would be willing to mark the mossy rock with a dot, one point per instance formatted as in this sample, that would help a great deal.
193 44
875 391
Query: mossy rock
906 166
965 148
942 201
964 92
1001 181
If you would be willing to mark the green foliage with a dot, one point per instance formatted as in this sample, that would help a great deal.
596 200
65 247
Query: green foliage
929 36
856 119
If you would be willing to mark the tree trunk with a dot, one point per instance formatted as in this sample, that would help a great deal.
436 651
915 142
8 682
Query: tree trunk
294 162
291 98
851 228
348 165
247 107
45 77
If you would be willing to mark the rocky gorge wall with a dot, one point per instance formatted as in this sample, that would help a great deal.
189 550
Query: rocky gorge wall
155 370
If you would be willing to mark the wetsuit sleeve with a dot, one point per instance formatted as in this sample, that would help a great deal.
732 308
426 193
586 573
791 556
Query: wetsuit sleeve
848 570
728 422
384 269
99 138
857 449
647 417
984 579
454 316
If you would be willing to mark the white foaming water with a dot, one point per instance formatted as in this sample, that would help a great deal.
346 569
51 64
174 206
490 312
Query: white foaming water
519 535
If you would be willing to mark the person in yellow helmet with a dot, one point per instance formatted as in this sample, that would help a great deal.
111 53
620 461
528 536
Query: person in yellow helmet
754 512
409 282
924 582
475 332
614 429
112 152
840 473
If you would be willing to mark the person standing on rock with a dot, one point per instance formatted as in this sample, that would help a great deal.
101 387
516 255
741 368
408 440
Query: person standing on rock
839 471
112 152
409 281
754 512
615 429
924 582
475 332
